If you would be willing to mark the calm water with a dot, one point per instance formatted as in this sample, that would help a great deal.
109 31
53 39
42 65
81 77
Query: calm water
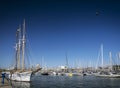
69 82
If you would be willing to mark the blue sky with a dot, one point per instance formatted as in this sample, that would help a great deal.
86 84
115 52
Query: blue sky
57 27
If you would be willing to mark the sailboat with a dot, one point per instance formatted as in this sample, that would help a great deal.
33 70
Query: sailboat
18 73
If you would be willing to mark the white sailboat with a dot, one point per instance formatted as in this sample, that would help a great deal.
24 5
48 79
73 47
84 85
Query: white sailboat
20 74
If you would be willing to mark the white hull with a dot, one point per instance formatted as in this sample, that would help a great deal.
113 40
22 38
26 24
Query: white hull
109 76
77 74
16 84
17 76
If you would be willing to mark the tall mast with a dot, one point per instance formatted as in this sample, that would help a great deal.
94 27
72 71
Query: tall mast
102 54
16 57
23 46
110 60
66 63
16 52
118 60
19 45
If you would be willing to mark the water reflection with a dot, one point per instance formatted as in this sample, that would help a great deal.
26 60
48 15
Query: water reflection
20 84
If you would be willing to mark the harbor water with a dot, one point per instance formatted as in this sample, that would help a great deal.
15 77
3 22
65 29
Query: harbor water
68 82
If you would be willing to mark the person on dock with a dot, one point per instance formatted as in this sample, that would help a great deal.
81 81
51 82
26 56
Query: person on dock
3 77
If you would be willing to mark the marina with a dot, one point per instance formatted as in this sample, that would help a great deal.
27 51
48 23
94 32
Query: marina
59 44
21 76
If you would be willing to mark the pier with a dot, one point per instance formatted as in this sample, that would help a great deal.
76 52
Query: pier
6 84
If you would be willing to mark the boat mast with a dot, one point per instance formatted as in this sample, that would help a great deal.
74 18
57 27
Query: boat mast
102 54
19 45
118 61
67 63
16 52
23 46
110 60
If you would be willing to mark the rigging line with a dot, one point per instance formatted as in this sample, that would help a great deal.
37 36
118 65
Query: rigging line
13 59
27 57
30 48
29 54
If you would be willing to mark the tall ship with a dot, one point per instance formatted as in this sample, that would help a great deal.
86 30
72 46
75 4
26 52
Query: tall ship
20 71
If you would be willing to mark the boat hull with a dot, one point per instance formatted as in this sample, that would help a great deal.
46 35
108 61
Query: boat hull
109 76
23 76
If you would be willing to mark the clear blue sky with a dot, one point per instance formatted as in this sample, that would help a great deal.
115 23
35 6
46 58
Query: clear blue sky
55 27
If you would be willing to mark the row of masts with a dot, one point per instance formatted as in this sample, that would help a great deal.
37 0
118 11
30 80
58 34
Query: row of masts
20 47
101 55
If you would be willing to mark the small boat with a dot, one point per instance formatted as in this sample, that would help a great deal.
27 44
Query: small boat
45 73
109 75
77 74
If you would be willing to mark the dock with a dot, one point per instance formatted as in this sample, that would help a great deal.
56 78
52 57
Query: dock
5 85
